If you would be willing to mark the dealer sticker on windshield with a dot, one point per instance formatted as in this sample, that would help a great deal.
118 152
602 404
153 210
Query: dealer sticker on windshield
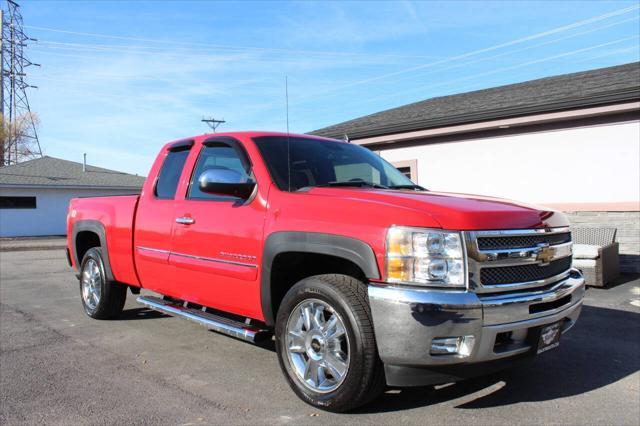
549 337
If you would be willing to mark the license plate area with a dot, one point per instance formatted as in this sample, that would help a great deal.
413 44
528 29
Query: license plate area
549 337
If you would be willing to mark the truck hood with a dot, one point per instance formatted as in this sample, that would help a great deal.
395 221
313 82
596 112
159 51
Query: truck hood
454 211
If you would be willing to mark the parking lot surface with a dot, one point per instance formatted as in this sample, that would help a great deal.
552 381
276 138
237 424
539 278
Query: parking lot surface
58 366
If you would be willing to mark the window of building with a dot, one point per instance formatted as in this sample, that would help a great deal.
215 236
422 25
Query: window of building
170 172
17 202
409 168
405 171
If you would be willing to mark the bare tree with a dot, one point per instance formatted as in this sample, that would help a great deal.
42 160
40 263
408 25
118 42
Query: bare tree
16 143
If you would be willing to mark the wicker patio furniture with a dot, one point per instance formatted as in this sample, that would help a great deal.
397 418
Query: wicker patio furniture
595 253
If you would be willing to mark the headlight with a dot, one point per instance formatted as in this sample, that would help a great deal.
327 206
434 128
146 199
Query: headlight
429 257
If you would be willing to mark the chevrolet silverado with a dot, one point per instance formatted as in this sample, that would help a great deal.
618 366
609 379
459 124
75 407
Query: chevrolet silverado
363 278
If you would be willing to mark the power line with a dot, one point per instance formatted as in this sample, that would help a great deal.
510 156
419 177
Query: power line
191 52
236 56
210 46
452 66
23 143
450 59
620 51
154 50
492 72
328 92
522 49
486 58
537 61
101 96
223 47
484 50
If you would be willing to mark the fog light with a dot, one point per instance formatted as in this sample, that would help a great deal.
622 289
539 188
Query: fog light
462 345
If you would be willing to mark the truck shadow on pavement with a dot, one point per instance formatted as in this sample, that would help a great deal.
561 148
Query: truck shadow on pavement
601 349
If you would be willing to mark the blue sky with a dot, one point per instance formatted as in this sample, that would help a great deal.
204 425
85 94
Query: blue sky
118 79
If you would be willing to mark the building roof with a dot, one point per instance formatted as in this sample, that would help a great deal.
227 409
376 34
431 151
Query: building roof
582 89
56 172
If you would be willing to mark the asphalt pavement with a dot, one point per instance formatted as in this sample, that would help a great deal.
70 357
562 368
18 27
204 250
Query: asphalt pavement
58 366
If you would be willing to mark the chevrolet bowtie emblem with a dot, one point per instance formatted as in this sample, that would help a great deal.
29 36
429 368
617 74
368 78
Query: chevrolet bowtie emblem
545 254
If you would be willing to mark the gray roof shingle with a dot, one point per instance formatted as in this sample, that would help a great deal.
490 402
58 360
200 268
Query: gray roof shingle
56 172
587 88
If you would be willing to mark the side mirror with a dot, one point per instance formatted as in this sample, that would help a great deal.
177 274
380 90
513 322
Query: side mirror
226 182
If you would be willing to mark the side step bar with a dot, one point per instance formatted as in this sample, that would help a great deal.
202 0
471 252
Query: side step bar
213 322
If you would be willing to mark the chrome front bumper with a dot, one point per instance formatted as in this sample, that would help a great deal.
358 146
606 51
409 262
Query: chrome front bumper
406 320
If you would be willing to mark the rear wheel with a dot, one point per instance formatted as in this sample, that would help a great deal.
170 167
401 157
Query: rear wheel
326 345
101 298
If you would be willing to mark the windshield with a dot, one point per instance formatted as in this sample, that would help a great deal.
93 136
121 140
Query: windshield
317 162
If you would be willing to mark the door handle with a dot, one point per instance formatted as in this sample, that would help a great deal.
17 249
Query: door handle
185 220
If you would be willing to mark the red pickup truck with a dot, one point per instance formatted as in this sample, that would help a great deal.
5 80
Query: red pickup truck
364 278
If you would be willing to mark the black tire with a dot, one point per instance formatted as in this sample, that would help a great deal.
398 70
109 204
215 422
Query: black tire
112 294
364 380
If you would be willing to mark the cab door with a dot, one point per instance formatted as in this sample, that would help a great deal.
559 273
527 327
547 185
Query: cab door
217 240
155 218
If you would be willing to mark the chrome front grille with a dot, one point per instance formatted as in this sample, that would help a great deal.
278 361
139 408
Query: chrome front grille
521 241
511 260
523 273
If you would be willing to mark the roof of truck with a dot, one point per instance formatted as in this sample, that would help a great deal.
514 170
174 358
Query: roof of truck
253 134
246 134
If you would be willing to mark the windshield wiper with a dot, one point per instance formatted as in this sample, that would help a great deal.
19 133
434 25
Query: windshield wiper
355 183
415 187
364 183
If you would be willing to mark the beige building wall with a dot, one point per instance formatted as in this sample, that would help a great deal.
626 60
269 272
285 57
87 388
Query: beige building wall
594 164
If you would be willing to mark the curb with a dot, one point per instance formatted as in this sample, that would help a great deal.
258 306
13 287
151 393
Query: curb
32 248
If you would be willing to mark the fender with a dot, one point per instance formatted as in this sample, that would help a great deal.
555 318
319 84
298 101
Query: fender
98 228
354 250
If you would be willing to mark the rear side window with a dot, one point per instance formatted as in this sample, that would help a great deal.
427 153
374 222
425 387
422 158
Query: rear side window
169 176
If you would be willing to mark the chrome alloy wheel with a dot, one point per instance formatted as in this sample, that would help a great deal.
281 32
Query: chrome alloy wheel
317 345
91 284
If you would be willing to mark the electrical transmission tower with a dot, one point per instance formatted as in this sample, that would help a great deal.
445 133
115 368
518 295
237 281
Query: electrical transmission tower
19 136
213 123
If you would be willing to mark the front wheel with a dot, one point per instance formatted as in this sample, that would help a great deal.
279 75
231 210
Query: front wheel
326 345
101 298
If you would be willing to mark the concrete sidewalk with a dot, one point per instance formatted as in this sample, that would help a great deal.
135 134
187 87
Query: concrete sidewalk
33 243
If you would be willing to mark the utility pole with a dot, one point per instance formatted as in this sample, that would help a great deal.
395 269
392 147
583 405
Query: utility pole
213 123
16 112
2 142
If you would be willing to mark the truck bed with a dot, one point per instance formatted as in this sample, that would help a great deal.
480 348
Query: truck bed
116 214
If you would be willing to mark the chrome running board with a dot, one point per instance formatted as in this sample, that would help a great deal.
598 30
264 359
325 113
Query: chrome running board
223 325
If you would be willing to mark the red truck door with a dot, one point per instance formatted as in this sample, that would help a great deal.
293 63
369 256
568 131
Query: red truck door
155 218
217 240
